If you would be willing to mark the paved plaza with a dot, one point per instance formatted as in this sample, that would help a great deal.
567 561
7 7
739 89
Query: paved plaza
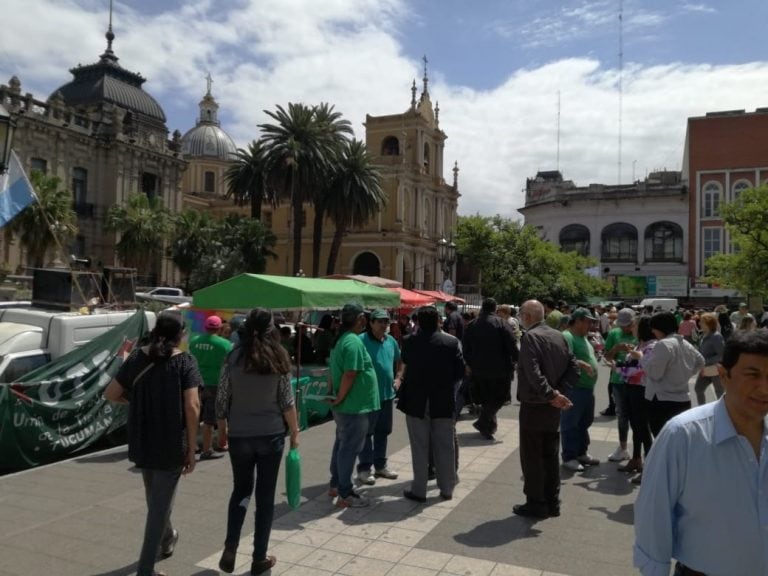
85 517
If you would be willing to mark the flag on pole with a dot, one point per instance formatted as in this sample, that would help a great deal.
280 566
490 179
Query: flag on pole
16 191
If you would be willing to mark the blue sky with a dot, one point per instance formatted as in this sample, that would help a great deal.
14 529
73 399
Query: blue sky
496 66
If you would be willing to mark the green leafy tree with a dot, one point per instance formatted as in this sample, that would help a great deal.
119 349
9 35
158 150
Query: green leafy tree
516 265
354 195
193 234
298 152
746 220
41 223
144 225
246 178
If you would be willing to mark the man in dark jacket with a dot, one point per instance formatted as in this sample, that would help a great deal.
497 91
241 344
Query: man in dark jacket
491 352
433 364
545 370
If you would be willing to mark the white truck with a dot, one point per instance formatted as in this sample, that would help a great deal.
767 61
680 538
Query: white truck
30 338
659 304
164 294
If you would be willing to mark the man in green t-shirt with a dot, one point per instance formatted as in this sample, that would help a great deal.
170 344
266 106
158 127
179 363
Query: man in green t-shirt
210 350
357 393
575 423
619 342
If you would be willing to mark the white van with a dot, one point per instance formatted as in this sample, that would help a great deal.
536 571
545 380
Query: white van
660 304
32 338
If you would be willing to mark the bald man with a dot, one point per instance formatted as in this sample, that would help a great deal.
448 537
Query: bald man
546 370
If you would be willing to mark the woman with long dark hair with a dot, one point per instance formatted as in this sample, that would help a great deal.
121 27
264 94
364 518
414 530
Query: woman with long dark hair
159 382
255 396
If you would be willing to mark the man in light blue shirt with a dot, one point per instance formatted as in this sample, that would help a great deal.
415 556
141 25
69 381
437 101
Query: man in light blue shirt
704 497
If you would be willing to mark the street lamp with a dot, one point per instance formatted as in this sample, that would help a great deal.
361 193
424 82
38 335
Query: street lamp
446 255
7 127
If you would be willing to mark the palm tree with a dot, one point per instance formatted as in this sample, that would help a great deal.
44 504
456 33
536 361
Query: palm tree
47 222
246 178
192 236
144 225
297 152
336 129
355 195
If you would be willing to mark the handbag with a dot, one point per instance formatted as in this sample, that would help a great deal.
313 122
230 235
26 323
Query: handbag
293 478
710 370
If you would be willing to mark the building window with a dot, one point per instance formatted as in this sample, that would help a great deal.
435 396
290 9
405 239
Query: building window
739 187
79 185
619 243
390 146
664 242
39 164
426 157
710 200
210 182
711 244
150 185
575 238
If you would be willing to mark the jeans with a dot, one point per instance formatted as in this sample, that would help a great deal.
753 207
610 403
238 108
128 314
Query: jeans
264 454
638 420
622 412
374 450
702 383
159 490
575 423
351 430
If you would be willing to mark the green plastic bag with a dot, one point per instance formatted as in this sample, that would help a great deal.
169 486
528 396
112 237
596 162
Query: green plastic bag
293 477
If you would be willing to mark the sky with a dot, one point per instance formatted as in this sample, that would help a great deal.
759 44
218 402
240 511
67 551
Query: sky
512 77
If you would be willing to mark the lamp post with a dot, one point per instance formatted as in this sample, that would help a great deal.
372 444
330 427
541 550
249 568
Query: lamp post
446 256
7 128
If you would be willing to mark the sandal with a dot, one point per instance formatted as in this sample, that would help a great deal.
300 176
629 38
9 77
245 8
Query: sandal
261 566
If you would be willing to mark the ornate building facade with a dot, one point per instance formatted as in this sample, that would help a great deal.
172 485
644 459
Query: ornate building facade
105 138
401 242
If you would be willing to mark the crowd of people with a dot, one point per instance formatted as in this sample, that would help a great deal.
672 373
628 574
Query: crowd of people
236 380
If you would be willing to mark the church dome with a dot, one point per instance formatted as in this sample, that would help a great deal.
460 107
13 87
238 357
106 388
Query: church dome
207 139
107 81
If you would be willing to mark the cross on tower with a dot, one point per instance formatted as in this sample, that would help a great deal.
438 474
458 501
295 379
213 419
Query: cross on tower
209 80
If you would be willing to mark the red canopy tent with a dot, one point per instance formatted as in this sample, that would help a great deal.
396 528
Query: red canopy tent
412 299
441 296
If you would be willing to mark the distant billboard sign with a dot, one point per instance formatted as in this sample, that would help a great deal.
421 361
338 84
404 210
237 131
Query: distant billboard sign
667 286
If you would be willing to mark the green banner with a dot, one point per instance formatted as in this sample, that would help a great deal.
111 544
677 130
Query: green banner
58 409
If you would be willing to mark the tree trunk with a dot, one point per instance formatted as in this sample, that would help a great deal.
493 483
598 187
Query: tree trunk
333 255
256 200
317 237
297 210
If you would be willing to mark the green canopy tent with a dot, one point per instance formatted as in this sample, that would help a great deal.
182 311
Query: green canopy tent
248 291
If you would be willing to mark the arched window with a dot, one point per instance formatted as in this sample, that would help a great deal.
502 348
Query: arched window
710 200
664 242
575 238
79 185
739 187
619 243
210 181
426 157
390 146
367 264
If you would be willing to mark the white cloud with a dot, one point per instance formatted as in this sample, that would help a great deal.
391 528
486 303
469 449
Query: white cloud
704 8
347 52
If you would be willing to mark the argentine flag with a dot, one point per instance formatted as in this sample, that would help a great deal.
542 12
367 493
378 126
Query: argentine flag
16 192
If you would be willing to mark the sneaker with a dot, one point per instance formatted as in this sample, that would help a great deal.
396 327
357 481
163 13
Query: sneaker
365 478
354 500
588 460
619 454
573 465
210 455
227 561
333 492
385 473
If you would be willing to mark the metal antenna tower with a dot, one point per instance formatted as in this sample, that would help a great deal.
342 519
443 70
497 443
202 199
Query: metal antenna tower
621 83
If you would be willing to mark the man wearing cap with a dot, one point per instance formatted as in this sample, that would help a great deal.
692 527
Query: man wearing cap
619 342
385 354
210 351
353 381
575 423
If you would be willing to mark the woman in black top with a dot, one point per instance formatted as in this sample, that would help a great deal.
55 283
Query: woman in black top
159 382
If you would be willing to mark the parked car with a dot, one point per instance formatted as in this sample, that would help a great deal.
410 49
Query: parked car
164 294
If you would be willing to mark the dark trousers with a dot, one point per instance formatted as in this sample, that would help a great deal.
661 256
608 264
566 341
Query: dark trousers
638 420
491 394
702 383
541 468
662 411
374 452
159 490
262 453
620 396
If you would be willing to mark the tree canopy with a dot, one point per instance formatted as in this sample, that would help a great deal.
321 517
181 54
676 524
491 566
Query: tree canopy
746 269
516 265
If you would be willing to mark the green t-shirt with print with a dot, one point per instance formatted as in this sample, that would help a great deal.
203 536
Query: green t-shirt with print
583 351
618 336
210 351
350 354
